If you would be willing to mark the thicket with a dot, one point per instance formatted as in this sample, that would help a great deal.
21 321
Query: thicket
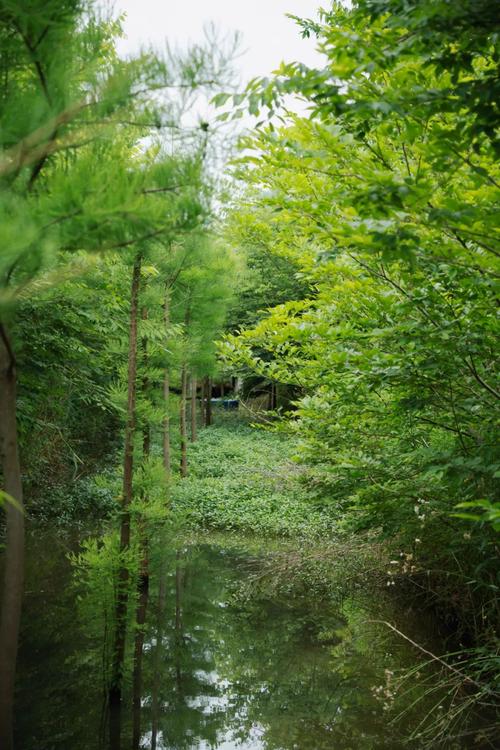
112 284
384 199
369 229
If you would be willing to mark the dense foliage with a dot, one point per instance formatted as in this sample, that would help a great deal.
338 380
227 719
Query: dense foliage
108 271
353 277
385 198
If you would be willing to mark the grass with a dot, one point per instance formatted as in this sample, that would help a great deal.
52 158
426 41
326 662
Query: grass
244 479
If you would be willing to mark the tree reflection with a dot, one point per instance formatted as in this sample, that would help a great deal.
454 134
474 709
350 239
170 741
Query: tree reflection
209 668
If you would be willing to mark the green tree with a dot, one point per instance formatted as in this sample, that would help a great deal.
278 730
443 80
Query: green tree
74 179
386 198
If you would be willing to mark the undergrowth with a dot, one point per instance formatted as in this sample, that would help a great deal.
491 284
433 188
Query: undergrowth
244 479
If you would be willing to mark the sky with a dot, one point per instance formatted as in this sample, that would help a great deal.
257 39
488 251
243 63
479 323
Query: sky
268 37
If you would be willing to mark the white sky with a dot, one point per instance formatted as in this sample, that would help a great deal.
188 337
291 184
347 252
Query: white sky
268 37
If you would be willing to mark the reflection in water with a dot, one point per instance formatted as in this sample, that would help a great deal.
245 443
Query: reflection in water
218 670
140 621
156 649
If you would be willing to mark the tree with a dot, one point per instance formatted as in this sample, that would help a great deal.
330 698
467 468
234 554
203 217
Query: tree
51 97
385 197
73 181
198 304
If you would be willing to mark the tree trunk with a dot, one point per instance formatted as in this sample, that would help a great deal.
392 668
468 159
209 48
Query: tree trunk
146 430
271 398
166 392
182 415
202 401
12 591
115 690
208 402
194 387
143 582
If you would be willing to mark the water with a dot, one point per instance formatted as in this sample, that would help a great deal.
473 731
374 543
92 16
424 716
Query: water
225 665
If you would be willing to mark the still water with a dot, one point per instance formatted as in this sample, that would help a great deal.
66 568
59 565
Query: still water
225 665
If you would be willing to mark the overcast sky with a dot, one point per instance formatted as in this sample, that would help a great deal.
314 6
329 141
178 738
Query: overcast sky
268 37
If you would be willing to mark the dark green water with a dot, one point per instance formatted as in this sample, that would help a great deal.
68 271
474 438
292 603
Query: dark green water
220 670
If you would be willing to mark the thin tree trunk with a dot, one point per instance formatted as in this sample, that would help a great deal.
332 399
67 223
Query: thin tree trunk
271 399
166 392
146 430
143 582
208 402
202 401
115 690
182 415
12 591
194 387
203 390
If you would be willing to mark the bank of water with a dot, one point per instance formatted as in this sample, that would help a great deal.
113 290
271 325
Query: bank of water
225 665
